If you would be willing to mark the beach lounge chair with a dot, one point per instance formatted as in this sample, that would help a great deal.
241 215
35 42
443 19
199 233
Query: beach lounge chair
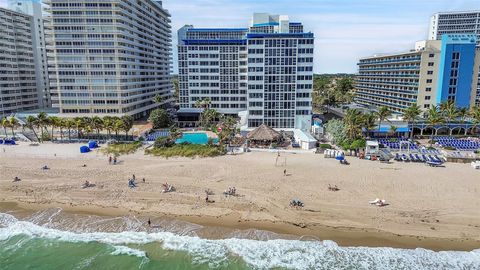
412 158
405 158
419 158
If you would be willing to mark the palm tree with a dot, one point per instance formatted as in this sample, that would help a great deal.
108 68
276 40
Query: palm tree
79 125
61 125
353 123
463 114
450 112
54 122
117 126
127 124
108 123
411 115
4 123
97 124
382 114
13 125
434 118
31 123
369 123
70 124
393 130
42 122
475 115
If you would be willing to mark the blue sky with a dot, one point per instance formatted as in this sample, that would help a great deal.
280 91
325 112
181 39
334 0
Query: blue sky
345 30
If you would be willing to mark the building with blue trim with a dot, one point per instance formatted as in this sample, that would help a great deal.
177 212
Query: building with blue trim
263 73
434 72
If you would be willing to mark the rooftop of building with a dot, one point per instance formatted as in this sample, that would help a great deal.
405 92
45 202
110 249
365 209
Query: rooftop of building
456 12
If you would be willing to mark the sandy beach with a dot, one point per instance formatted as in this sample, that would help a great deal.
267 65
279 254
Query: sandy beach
435 208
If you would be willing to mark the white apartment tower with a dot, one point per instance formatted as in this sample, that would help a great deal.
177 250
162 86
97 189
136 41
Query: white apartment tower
213 65
18 88
280 73
108 57
263 73
34 9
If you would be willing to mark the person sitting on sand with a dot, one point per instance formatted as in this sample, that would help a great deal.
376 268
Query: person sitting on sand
16 179
115 161
84 165
45 167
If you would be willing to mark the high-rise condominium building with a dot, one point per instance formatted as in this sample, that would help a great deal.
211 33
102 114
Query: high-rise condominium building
18 89
34 9
108 57
265 71
456 22
213 65
435 72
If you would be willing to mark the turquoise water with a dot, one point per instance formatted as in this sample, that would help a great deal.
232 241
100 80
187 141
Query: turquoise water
42 242
194 138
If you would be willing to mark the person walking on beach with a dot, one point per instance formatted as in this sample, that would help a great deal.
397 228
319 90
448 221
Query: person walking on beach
115 161
285 172
134 177
110 160
143 180
149 222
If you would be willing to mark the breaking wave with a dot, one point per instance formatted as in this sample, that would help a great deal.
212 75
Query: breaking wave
277 253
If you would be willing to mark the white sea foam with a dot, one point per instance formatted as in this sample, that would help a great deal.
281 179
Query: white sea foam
291 254
123 250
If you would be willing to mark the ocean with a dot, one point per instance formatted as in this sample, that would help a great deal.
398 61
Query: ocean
52 239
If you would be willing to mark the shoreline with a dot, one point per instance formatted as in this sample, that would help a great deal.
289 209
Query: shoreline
343 236
432 208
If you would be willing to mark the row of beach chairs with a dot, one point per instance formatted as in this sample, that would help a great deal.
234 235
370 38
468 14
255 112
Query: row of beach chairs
418 158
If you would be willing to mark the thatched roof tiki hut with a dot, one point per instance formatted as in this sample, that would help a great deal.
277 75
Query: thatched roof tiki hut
264 135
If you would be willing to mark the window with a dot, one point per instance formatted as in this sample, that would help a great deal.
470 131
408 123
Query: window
430 72
427 97
431 64
428 89
431 55
426 106
429 80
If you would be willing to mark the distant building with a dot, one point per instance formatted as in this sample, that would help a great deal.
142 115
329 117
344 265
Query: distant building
435 72
456 22
18 88
108 58
34 9
263 73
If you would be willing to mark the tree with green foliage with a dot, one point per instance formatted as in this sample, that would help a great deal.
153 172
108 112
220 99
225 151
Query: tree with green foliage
475 115
159 119
5 123
31 123
411 115
382 114
353 120
127 124
450 112
369 122
335 128
434 118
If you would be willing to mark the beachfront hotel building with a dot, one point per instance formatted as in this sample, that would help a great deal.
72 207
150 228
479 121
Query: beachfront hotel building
263 73
34 9
108 57
434 72
18 88
456 22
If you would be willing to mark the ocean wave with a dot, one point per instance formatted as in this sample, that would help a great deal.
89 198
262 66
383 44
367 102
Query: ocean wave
277 253
123 250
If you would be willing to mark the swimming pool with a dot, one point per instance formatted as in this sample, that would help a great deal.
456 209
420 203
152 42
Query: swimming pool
194 138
